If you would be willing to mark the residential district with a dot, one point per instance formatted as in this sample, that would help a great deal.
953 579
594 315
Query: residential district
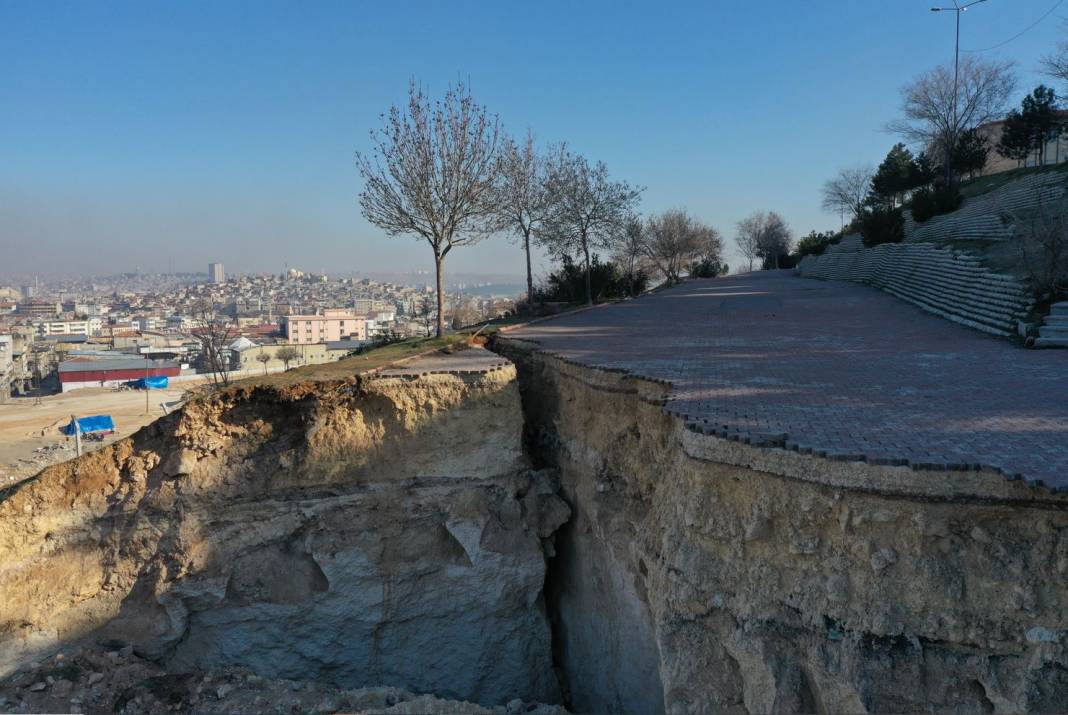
120 330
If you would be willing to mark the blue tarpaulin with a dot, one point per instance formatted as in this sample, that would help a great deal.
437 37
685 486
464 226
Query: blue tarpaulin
97 423
151 383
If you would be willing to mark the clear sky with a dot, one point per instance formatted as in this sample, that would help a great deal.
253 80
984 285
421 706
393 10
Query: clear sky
168 135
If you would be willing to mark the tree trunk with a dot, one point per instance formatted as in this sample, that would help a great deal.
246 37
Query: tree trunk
530 276
589 287
439 266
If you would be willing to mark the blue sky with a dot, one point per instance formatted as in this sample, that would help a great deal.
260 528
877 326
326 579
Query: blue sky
166 135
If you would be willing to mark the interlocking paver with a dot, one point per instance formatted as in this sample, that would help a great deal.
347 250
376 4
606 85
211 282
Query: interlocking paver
835 367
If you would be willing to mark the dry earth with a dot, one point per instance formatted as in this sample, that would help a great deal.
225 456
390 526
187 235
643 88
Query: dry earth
29 431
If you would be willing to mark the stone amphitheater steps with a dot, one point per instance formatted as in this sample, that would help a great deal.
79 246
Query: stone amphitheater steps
952 285
1054 330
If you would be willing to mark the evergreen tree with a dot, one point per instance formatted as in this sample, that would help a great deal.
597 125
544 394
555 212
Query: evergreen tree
1040 112
895 177
970 154
1026 131
1015 142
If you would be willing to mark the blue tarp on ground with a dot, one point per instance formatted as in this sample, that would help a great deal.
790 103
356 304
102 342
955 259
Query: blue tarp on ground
97 423
151 383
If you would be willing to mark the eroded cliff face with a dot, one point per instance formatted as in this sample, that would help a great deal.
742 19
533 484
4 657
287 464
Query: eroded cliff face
385 532
701 575
393 532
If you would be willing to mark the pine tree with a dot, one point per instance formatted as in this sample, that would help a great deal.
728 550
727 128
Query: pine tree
970 154
895 177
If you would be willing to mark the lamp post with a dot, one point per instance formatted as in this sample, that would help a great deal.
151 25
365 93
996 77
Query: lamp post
958 9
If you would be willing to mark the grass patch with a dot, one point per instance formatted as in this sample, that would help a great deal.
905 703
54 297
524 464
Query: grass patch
986 184
377 357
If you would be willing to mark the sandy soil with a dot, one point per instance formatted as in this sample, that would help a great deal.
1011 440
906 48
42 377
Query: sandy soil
30 438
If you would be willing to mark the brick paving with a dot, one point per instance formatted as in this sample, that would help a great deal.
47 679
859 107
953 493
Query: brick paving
843 370
463 362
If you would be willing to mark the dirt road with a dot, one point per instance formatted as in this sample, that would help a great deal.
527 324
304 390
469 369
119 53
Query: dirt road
29 433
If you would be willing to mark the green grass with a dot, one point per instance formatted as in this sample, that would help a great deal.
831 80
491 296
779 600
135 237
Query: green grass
986 184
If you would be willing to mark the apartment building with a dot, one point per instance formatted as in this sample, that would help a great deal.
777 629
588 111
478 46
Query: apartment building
331 325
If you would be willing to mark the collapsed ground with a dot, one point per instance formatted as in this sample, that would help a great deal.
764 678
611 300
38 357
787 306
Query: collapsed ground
552 532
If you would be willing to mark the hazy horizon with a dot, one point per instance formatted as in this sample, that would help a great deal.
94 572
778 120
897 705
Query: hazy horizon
166 137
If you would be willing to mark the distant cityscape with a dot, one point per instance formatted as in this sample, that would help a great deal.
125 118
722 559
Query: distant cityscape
64 334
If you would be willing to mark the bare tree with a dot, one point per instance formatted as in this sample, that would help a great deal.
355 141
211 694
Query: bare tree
424 313
215 330
264 358
1055 64
674 240
775 240
629 250
938 110
765 236
523 200
287 355
748 237
432 174
589 210
845 193
1042 240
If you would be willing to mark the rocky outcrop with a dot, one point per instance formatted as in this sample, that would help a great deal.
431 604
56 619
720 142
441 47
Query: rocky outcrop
701 574
365 532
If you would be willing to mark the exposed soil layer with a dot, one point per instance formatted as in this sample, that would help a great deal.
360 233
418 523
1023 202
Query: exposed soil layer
360 532
700 574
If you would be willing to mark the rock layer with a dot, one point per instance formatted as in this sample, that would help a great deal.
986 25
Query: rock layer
384 532
704 575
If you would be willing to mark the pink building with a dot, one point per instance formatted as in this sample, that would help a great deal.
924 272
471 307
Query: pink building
333 324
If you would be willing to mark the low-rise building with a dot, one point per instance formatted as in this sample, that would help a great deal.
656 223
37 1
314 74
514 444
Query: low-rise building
331 325
110 372
46 328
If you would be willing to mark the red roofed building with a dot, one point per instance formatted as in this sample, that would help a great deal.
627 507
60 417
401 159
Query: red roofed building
111 372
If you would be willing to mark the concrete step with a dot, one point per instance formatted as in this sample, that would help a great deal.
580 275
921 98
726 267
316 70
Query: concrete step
961 301
1051 343
1057 320
1047 331
1059 308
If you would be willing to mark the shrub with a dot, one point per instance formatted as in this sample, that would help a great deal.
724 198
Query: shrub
815 243
707 268
607 281
882 225
927 203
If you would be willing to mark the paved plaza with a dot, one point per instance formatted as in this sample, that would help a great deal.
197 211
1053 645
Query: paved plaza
837 368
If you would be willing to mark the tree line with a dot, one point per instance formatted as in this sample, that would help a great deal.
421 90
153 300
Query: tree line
947 118
446 172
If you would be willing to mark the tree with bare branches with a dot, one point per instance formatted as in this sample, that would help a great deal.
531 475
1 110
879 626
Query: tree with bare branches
765 236
747 238
287 355
424 313
1055 64
1042 242
523 201
264 357
628 251
214 331
589 209
674 241
845 193
937 110
432 173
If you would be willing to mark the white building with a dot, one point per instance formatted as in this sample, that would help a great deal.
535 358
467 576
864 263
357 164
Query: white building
216 274
90 326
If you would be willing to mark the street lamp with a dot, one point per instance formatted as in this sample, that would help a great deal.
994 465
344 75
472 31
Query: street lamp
957 8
